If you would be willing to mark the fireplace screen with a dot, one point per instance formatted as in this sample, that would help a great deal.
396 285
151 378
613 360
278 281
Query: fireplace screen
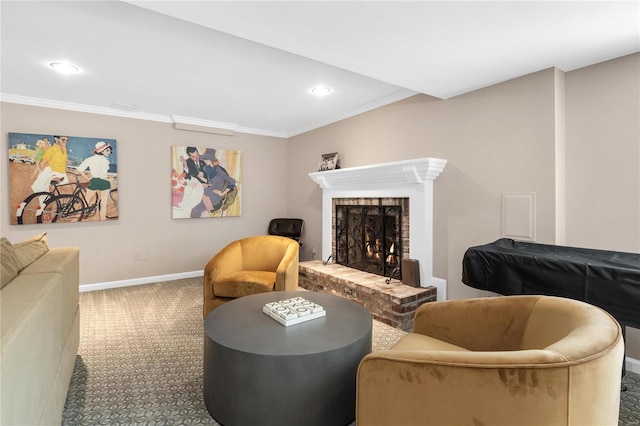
369 238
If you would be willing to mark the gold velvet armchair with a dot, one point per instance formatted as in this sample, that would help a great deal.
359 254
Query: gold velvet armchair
250 266
525 360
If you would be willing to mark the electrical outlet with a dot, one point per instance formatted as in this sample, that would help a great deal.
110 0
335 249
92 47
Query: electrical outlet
140 256
313 253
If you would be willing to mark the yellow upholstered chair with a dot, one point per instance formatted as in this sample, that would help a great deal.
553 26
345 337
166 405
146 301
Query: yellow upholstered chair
516 360
250 266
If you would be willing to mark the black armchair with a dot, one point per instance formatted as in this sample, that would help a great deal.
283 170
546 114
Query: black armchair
287 227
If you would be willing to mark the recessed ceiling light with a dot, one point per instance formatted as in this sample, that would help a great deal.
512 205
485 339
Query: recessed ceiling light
64 67
321 90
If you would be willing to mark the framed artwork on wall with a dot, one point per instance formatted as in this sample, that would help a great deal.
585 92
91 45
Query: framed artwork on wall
328 161
205 182
60 178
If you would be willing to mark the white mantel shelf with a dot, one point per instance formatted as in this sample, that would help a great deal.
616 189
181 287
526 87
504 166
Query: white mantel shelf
412 179
396 173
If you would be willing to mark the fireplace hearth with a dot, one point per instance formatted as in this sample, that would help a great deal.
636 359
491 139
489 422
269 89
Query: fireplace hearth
392 303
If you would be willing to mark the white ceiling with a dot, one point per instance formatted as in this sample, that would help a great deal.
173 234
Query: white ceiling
249 65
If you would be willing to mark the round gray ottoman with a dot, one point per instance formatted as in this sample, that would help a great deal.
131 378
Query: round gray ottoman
259 372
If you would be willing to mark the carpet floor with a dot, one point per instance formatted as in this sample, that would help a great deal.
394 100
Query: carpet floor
140 358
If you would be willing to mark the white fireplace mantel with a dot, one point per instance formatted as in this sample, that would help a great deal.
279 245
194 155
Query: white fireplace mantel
381 175
411 179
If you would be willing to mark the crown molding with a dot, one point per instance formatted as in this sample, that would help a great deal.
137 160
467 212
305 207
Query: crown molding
225 128
199 125
69 106
207 126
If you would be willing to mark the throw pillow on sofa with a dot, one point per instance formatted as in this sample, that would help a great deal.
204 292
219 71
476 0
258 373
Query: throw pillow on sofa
9 262
16 257
30 250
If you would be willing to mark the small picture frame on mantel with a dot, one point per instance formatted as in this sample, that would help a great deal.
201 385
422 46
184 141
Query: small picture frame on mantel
328 162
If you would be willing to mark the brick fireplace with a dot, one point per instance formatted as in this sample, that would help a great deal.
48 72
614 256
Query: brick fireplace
410 180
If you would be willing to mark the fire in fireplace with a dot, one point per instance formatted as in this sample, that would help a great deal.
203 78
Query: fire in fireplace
369 238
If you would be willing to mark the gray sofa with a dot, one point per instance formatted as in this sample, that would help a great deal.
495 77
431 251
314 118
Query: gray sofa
40 331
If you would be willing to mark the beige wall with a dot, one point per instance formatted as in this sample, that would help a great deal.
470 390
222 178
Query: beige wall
144 176
603 161
603 155
569 137
500 139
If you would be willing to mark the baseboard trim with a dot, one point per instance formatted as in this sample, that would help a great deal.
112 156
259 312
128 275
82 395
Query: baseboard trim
633 365
139 281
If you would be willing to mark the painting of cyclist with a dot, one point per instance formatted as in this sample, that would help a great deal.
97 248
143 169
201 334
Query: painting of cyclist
98 165
42 145
53 165
220 189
